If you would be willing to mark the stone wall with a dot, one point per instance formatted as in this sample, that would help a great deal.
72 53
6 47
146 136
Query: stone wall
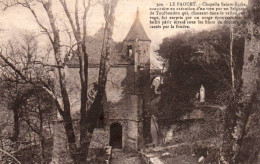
114 87
123 105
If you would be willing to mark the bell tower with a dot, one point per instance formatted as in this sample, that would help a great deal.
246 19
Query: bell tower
137 44
127 110
136 48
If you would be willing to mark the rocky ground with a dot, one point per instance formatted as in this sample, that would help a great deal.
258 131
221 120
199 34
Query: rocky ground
160 156
119 157
172 154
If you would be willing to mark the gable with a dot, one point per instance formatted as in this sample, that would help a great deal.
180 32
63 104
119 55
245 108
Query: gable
94 48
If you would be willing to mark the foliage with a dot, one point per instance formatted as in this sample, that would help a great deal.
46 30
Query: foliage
195 59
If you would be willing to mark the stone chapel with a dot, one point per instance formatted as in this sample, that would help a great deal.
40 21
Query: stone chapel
125 120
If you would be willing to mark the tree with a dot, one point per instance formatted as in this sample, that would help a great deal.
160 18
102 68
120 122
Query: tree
97 106
195 59
36 114
60 95
32 108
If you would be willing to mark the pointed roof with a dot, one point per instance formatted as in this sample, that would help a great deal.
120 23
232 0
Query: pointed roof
93 48
100 33
137 31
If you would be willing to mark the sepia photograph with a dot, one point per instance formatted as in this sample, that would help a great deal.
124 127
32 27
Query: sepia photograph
129 82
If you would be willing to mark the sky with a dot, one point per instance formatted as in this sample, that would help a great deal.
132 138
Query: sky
17 19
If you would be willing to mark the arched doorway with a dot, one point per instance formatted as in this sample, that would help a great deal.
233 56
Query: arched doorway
116 136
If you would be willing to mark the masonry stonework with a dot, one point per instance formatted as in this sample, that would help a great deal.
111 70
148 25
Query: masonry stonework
127 88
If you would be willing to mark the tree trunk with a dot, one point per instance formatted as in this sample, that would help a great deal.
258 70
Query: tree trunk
66 114
231 58
96 108
42 145
16 123
83 71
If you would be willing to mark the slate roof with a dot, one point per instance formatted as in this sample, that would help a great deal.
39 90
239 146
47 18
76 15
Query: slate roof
137 31
94 47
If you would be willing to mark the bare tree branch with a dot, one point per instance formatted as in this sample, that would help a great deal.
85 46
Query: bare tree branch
10 155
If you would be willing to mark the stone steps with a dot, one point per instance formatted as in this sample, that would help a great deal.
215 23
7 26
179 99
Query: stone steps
120 157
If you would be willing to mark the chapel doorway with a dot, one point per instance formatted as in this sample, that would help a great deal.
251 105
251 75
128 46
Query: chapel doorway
115 136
